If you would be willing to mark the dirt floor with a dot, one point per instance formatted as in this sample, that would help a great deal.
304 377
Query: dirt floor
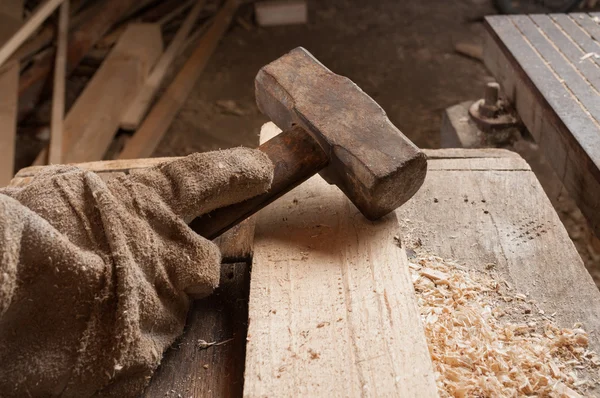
400 52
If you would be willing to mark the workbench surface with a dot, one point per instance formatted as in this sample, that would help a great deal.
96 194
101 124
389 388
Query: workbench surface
479 207
549 68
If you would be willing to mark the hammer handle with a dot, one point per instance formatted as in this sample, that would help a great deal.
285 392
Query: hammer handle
296 156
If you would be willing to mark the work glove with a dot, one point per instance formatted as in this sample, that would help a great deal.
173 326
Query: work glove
95 276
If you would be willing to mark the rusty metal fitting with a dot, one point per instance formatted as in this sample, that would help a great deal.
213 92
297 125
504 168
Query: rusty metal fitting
491 113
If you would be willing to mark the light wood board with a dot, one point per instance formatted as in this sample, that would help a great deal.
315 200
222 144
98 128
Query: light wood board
10 17
332 310
494 211
91 123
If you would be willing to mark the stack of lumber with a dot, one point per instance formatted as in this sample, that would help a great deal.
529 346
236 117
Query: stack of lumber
121 53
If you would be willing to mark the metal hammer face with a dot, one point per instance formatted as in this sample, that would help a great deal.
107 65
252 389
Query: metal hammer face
370 160
329 126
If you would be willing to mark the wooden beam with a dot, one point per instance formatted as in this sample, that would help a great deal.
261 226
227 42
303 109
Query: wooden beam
145 140
94 118
58 96
35 21
332 305
134 115
10 17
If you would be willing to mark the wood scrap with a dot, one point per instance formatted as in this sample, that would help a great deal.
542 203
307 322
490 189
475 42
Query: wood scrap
470 50
145 140
10 18
87 132
281 12
34 22
134 115
81 41
58 95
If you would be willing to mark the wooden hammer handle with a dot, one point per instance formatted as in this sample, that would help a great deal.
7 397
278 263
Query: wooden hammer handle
296 155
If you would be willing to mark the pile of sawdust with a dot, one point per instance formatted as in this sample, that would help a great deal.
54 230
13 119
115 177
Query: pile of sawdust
488 341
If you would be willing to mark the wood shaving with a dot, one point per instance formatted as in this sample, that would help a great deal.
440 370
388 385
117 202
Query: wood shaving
485 341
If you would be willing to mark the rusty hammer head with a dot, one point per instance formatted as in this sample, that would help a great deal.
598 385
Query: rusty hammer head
370 160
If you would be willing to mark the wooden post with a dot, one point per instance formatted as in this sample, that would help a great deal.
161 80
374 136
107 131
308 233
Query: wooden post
58 97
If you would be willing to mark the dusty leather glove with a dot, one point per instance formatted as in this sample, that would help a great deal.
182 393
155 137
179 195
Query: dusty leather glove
94 275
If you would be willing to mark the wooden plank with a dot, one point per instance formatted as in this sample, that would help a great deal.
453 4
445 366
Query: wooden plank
134 115
459 153
588 24
33 22
58 95
10 17
88 132
188 370
156 124
564 129
503 217
332 310
237 244
104 166
577 34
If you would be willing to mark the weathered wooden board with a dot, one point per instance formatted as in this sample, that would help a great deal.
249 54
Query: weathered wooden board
188 370
10 19
500 215
332 310
538 61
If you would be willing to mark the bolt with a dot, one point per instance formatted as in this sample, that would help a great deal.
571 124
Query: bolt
491 94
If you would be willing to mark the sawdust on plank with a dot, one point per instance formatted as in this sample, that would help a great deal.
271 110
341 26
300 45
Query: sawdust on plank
486 340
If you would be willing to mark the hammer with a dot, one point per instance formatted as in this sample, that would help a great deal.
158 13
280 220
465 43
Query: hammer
329 126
